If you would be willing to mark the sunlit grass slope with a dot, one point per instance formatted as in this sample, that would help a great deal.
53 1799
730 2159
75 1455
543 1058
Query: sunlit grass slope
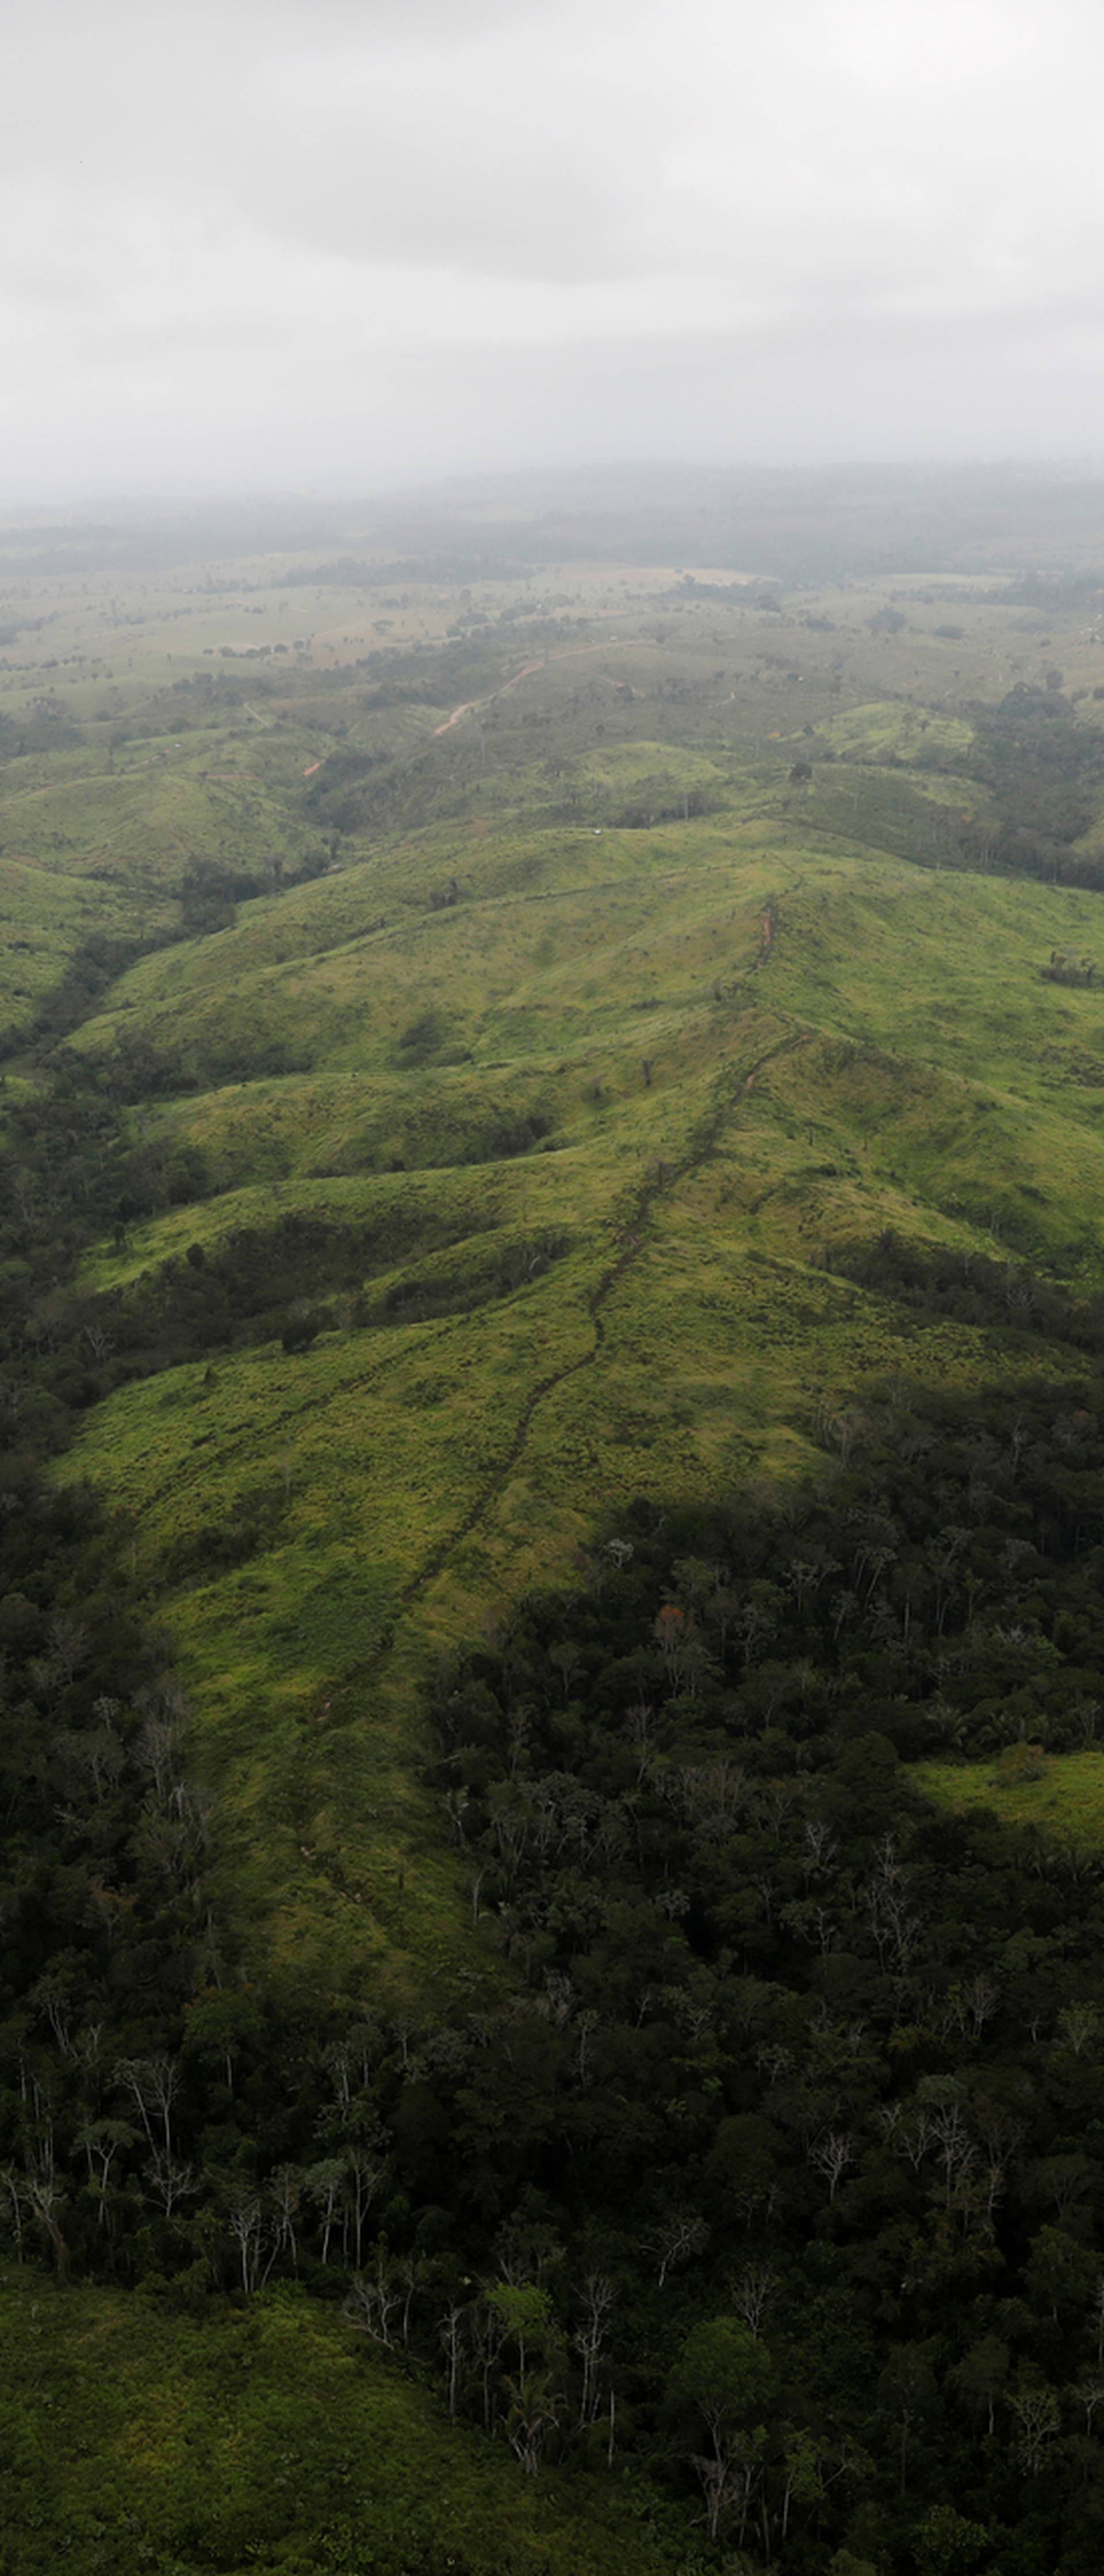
892 727
263 2441
142 817
682 1065
47 919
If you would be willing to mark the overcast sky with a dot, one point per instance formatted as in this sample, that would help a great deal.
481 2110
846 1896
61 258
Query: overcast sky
340 244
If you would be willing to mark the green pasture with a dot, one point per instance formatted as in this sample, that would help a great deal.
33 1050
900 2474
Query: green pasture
892 728
1061 1793
47 919
265 2440
634 929
699 1058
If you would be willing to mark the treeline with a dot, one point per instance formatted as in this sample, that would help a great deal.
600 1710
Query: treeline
653 801
1044 770
72 1171
75 995
970 1288
1041 765
270 1284
211 889
439 566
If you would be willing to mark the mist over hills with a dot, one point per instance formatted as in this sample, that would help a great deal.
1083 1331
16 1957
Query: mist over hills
797 522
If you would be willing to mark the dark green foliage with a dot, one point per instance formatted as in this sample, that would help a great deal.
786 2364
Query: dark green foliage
212 889
1065 967
1043 769
483 1272
74 998
301 1330
247 1286
971 1288
423 1040
804 2037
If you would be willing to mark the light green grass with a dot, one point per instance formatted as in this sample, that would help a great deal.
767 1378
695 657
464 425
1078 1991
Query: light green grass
162 807
269 2440
706 1116
46 918
910 1071
891 727
1065 1797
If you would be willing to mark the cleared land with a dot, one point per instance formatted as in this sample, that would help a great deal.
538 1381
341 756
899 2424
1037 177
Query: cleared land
268 2439
666 1085
1060 1793
584 1033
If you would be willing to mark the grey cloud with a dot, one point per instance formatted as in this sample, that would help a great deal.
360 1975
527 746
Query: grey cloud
341 238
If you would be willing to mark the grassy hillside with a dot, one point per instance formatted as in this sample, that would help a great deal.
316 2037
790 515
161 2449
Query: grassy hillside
269 2441
556 1069
52 923
670 1083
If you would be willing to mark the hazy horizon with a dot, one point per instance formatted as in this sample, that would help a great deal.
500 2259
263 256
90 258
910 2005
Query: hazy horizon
340 249
633 479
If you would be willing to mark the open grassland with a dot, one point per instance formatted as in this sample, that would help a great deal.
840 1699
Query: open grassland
269 2440
47 920
1061 1793
582 1034
142 822
595 1131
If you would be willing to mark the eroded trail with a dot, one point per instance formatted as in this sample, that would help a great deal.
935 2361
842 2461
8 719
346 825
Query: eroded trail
732 1087
567 653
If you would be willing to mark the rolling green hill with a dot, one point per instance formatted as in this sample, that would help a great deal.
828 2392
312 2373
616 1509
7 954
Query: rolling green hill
556 1062
576 1159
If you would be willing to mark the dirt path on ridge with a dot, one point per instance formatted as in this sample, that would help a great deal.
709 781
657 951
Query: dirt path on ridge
468 709
567 653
